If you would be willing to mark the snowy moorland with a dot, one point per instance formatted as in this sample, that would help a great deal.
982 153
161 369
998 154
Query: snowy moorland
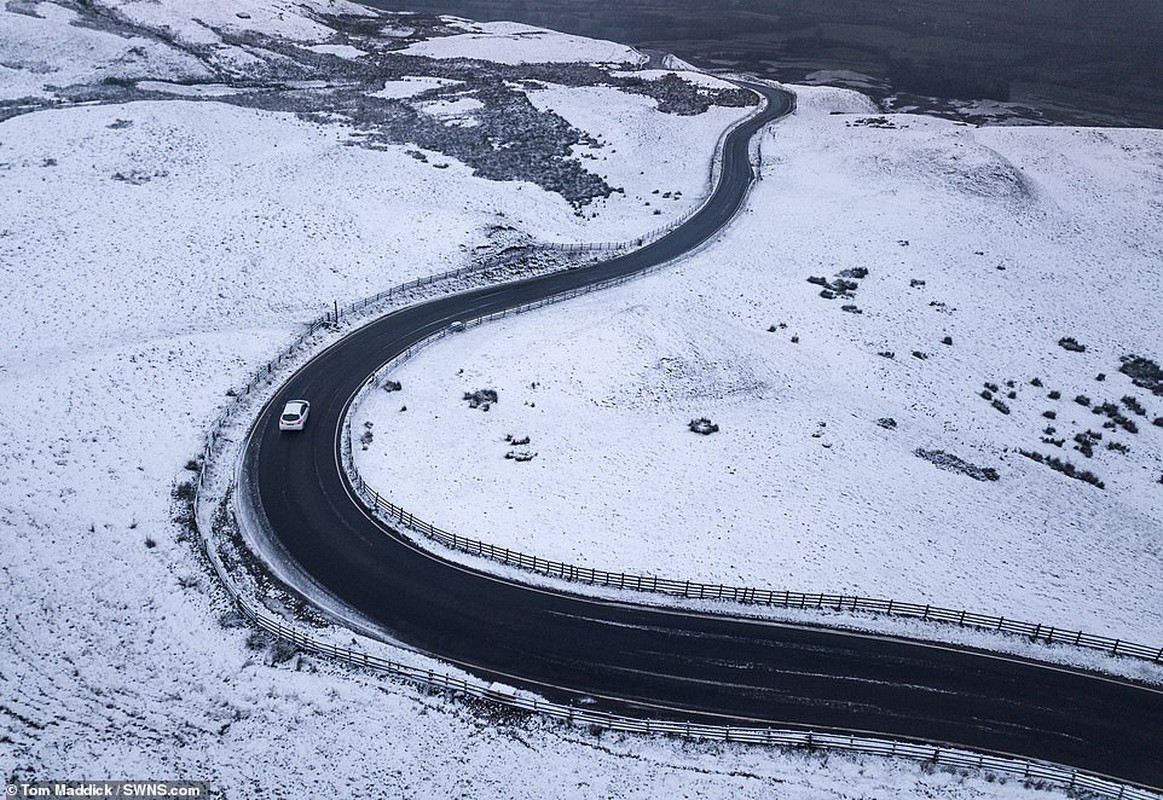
878 341
183 185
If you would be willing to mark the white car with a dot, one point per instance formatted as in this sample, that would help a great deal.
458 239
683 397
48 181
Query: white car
294 415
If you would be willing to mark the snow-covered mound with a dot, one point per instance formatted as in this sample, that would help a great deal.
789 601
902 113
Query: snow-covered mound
514 43
857 434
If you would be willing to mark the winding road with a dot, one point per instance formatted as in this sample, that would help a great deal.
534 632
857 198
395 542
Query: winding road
636 659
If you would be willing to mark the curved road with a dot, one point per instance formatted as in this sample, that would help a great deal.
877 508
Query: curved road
635 659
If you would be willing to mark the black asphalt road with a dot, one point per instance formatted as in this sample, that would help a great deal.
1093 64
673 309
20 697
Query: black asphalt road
635 659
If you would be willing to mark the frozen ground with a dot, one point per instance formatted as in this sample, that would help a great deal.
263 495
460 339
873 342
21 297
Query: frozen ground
836 468
153 252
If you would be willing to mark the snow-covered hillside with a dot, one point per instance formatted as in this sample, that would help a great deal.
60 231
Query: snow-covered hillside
855 434
183 183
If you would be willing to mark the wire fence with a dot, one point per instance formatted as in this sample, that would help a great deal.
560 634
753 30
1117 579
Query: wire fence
457 685
776 598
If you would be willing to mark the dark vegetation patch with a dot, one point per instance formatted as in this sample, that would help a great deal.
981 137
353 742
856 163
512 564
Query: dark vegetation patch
1065 467
872 122
703 425
1144 373
1071 344
481 398
952 463
1135 406
887 423
1085 442
1115 413
843 285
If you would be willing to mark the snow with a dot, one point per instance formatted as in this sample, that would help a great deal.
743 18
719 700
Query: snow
412 85
663 167
802 489
341 50
459 107
48 50
514 43
687 72
132 304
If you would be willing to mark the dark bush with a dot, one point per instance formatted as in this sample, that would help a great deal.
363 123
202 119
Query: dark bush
1036 382
704 426
1144 373
1065 467
1055 394
481 398
1050 414
1135 406
1000 406
1082 400
1071 344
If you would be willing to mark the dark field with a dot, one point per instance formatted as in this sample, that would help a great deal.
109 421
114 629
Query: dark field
1074 61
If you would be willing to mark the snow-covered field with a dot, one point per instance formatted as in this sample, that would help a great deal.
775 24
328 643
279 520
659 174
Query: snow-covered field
515 43
152 254
1003 239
